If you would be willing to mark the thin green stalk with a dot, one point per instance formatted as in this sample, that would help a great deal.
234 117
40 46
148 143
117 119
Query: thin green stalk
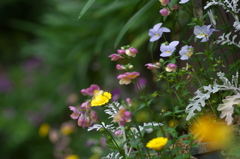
124 140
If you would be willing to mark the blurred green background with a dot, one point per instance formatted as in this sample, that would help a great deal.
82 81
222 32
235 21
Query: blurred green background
48 55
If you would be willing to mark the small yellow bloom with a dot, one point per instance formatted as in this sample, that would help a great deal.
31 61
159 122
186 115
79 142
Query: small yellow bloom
67 128
100 98
157 143
72 157
172 123
44 129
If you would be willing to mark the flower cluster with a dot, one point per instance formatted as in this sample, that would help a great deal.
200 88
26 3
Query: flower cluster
183 117
122 116
85 116
84 113
125 52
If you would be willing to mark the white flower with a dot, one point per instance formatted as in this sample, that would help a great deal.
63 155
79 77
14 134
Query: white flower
183 1
186 52
203 32
167 50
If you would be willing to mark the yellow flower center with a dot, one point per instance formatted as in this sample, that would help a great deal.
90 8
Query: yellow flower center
156 34
168 51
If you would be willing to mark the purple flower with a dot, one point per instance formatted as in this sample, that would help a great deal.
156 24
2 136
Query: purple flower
167 50
5 84
156 32
141 83
186 52
203 32
183 1
90 90
115 57
116 94
164 12
32 64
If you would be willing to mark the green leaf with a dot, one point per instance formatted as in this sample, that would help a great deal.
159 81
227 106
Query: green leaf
85 8
132 21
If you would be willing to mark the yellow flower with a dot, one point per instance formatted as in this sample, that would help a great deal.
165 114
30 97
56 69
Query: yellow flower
72 157
44 129
172 123
100 98
67 128
157 143
208 129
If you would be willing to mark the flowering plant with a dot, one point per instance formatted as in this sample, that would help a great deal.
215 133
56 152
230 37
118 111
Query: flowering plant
192 91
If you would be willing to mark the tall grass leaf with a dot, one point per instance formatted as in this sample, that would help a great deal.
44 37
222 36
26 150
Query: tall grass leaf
131 21
85 8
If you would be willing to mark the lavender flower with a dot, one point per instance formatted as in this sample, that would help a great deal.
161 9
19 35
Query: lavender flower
167 50
186 52
157 31
203 32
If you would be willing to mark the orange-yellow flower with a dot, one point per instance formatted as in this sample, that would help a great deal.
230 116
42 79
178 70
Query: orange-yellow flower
209 129
157 143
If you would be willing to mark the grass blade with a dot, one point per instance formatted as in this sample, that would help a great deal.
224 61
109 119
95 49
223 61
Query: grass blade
85 8
131 21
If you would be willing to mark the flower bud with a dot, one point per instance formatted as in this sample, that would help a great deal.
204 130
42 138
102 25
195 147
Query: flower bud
164 12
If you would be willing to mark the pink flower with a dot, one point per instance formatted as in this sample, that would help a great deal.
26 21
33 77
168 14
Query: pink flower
118 132
131 52
164 12
122 116
152 65
120 51
86 105
90 90
171 67
129 102
86 117
115 57
127 77
120 67
175 7
75 113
